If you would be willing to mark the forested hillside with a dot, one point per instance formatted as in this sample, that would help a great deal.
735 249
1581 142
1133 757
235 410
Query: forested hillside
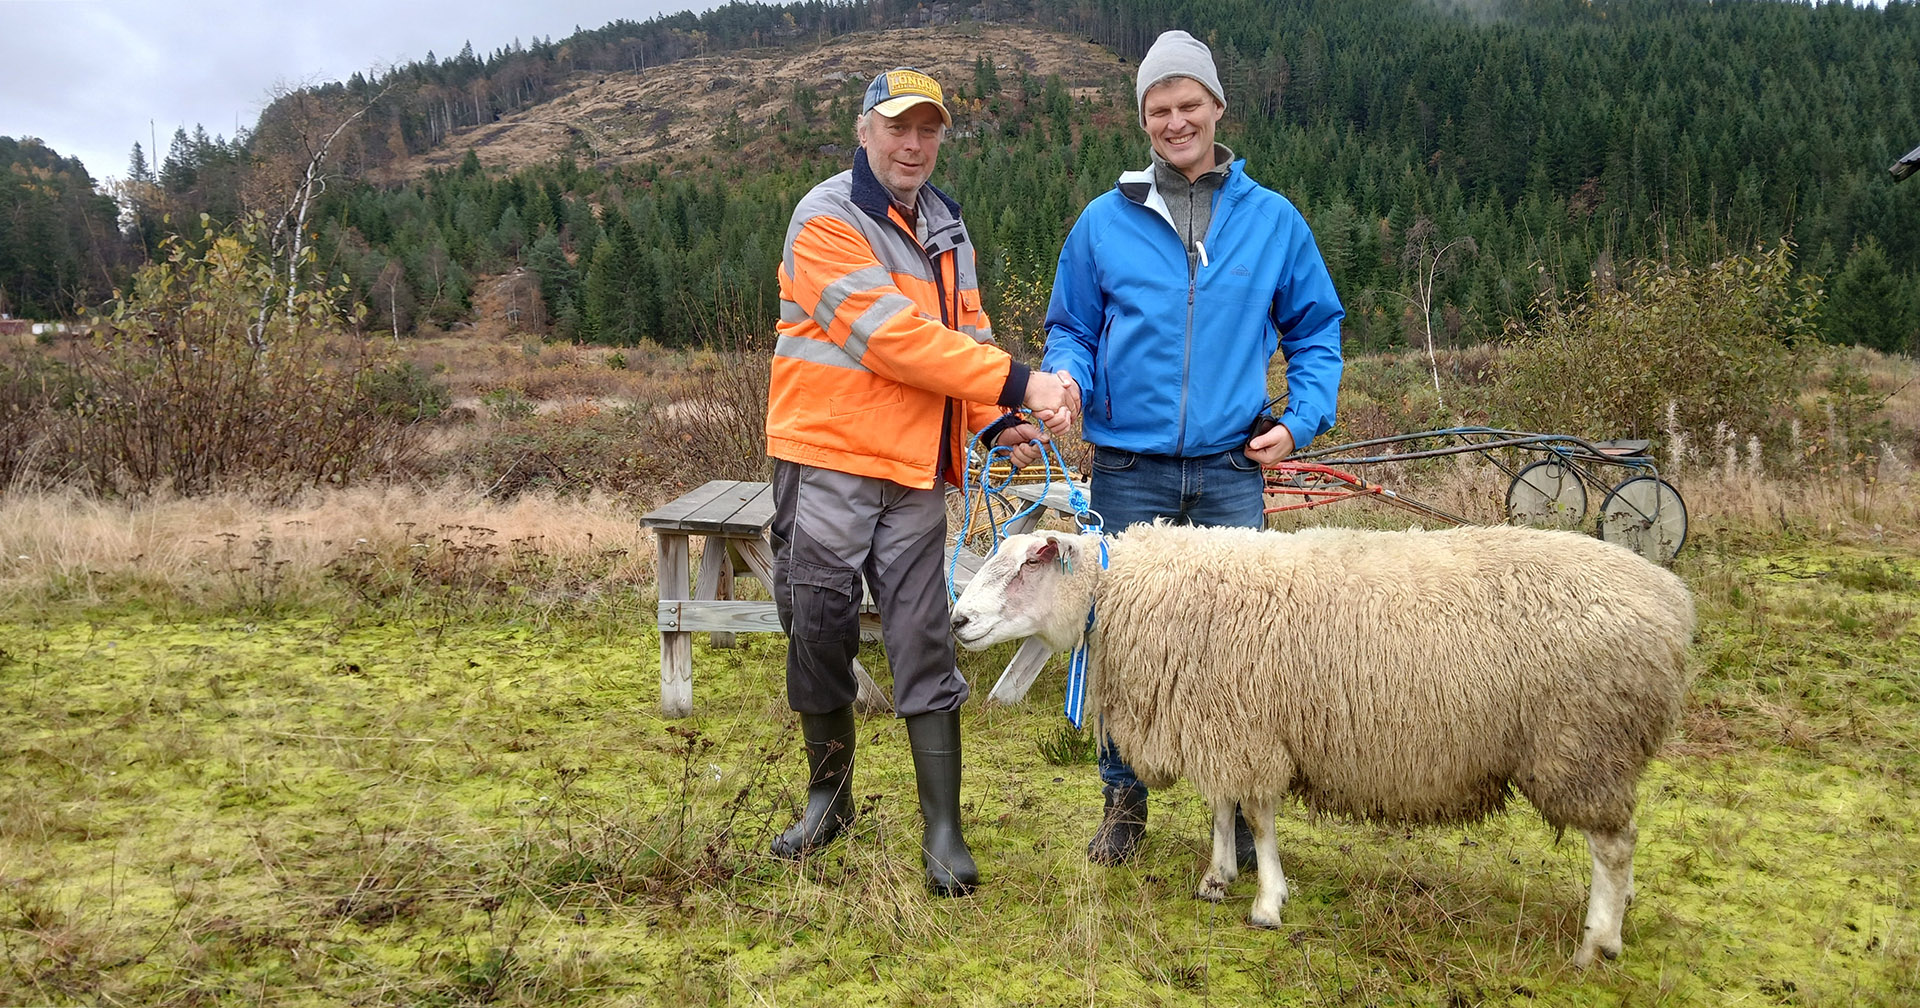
60 243
1542 144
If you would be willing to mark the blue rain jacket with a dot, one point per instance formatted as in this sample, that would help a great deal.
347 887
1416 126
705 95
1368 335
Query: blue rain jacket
1172 361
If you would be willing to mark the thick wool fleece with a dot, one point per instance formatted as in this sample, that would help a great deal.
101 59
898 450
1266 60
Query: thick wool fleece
1403 676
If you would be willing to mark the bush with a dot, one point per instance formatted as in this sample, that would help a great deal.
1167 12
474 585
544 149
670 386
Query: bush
31 389
718 425
1721 344
570 451
211 373
406 393
507 403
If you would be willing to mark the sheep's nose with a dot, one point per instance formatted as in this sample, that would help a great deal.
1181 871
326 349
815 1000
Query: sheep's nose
959 621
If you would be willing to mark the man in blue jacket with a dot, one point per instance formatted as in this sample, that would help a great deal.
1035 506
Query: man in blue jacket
1172 294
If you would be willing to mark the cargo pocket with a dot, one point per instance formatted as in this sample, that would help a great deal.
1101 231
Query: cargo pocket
824 606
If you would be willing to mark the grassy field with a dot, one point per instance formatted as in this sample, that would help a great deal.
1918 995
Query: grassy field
402 747
453 794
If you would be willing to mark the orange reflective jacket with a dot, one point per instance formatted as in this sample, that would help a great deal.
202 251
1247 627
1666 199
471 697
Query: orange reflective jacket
883 350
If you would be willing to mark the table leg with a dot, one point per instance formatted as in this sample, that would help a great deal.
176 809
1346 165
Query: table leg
758 554
715 581
1021 671
676 646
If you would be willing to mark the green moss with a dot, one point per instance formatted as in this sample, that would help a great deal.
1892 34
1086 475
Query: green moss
311 810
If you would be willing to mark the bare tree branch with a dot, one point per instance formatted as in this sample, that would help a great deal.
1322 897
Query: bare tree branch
287 243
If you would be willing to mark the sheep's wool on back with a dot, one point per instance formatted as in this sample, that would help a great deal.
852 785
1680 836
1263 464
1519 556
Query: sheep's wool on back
1406 676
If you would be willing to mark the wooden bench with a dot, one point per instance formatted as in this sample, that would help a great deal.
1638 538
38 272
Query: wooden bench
733 517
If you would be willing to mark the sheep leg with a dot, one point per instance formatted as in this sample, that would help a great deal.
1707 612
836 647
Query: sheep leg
1266 851
1224 868
1611 889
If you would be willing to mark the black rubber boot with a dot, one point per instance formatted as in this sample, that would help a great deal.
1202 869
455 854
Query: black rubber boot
829 741
1121 826
1243 855
935 739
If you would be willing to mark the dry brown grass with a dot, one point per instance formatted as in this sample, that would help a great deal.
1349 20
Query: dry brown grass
1843 510
73 545
474 362
597 445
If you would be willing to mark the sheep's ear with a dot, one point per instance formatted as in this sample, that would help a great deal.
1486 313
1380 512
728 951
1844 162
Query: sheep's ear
1059 548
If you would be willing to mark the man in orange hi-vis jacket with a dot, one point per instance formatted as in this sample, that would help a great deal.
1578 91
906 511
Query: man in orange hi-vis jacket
884 366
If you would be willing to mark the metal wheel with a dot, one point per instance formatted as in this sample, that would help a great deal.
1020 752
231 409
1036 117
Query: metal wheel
1548 493
1646 515
972 522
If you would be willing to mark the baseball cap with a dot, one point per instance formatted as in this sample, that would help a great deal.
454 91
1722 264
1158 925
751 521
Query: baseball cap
900 89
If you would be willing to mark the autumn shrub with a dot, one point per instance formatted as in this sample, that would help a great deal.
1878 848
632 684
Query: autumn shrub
406 392
31 390
211 372
1019 313
716 423
570 451
1674 351
701 415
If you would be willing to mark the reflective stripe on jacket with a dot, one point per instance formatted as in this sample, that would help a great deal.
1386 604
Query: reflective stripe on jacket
880 333
1172 360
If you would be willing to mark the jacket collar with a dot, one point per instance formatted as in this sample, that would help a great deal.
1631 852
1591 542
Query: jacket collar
1138 186
940 212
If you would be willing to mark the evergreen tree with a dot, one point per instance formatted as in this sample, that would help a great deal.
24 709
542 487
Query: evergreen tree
557 278
1866 305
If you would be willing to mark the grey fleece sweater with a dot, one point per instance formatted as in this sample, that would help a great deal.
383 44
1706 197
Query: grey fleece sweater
1191 203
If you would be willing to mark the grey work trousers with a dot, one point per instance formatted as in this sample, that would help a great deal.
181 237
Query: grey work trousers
830 529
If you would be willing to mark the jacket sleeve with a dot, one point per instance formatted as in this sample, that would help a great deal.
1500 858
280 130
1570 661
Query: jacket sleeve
981 417
1307 314
1076 311
852 297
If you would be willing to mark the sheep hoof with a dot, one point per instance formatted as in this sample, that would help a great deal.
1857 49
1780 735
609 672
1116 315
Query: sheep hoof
1212 889
1260 920
1584 958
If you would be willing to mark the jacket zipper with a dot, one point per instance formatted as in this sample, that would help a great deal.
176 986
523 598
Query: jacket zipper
1194 262
946 319
1100 369
1186 370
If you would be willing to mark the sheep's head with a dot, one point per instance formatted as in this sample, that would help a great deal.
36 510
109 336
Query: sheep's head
1037 585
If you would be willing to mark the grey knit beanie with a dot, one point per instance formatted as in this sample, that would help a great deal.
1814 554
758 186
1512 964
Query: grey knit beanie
1175 54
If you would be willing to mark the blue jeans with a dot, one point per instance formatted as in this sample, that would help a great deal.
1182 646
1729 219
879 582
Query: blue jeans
1127 488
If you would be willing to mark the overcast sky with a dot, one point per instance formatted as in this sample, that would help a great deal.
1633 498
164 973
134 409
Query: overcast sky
91 78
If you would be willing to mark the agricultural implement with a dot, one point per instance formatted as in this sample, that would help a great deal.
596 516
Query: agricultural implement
1551 479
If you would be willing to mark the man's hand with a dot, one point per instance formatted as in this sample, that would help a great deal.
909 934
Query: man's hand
1073 387
1271 447
1051 400
1019 438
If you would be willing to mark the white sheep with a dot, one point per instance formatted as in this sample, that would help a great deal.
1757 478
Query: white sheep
1404 677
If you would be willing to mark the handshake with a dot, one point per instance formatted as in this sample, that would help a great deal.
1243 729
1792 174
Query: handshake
1052 397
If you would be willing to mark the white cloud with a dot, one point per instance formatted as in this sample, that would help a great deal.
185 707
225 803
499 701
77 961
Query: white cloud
93 77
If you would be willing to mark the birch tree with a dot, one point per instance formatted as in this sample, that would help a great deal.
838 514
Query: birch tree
295 160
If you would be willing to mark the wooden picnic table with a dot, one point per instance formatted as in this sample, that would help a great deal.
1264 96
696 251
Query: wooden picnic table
733 517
